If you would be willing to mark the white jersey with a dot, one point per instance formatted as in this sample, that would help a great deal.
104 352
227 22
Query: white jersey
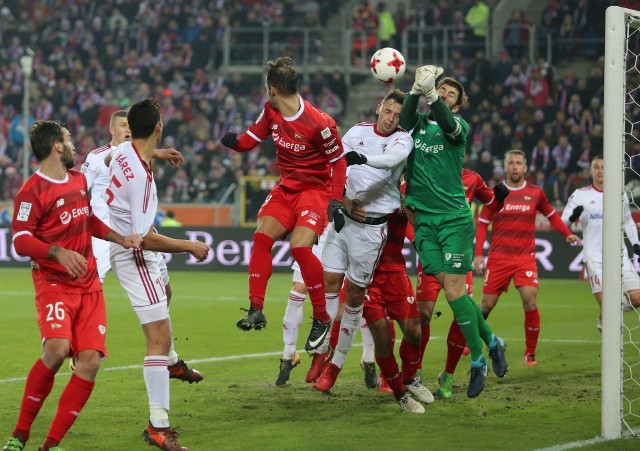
591 199
376 188
132 196
97 174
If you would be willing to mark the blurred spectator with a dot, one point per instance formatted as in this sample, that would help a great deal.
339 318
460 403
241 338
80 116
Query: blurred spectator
537 88
516 33
170 220
12 182
562 153
478 19
330 103
541 159
386 26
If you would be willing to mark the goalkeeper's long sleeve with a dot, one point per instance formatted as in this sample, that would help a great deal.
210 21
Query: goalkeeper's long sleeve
409 114
445 119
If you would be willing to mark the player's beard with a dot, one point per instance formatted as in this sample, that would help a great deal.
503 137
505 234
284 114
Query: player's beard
68 157
515 179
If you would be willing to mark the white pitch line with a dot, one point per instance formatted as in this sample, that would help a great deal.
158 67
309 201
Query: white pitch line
265 354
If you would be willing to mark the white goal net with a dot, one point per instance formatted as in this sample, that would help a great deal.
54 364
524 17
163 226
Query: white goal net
620 332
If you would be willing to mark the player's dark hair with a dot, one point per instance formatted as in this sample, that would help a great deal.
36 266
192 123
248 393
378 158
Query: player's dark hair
462 96
597 157
515 152
143 117
116 115
43 134
396 95
282 76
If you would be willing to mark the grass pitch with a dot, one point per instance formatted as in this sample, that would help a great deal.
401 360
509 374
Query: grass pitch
238 406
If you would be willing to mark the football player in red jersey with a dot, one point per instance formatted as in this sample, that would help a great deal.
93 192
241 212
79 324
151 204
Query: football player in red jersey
53 224
312 176
512 253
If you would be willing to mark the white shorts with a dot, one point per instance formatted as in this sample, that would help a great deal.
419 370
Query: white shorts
139 274
630 278
317 251
101 249
355 251
162 265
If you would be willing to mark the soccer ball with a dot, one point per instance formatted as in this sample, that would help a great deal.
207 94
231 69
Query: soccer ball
387 65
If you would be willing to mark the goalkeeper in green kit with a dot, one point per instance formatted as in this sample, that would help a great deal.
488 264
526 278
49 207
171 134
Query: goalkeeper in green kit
443 223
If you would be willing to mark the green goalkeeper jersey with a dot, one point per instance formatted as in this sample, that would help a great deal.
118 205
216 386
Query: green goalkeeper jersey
434 167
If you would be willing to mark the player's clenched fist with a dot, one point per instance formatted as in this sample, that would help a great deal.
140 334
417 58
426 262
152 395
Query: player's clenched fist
199 250
230 139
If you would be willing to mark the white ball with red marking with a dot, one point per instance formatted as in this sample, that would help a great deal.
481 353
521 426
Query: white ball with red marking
387 65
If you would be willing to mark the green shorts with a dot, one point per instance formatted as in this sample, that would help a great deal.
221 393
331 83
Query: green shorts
444 242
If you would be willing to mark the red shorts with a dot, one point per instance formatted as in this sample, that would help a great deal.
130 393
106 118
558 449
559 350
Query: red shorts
499 273
291 209
390 295
429 288
81 318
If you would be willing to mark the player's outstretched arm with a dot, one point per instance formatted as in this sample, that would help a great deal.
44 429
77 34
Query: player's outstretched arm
171 155
409 115
154 241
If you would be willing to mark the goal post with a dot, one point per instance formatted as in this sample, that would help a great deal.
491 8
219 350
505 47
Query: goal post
620 62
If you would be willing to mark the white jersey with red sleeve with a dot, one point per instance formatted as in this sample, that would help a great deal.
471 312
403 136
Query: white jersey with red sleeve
131 195
306 145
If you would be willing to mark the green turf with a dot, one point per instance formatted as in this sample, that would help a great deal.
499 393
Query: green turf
238 406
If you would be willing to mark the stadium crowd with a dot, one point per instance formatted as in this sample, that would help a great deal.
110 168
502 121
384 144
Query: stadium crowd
92 58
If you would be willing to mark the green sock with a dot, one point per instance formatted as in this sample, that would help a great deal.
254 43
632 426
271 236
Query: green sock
485 331
467 320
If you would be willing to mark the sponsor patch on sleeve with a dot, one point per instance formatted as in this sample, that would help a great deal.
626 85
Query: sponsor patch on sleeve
325 133
23 212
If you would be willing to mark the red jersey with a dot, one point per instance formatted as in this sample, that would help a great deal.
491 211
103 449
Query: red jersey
474 186
306 145
514 227
392 258
57 212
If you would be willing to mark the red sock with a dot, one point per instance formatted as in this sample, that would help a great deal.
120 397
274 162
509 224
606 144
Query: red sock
335 333
37 388
389 369
455 346
392 331
531 330
426 334
313 276
260 269
72 400
410 356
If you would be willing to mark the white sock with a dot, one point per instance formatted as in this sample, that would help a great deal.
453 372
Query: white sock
367 343
173 355
156 378
333 304
348 328
291 323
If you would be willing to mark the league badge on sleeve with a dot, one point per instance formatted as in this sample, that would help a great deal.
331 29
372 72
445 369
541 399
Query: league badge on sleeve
23 212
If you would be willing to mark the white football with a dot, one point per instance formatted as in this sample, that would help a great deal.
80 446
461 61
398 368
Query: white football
387 65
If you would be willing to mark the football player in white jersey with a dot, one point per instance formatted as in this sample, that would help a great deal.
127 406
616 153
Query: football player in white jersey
133 201
96 171
356 250
585 204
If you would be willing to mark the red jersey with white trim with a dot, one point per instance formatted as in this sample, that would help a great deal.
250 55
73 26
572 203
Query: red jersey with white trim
57 212
306 145
514 227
